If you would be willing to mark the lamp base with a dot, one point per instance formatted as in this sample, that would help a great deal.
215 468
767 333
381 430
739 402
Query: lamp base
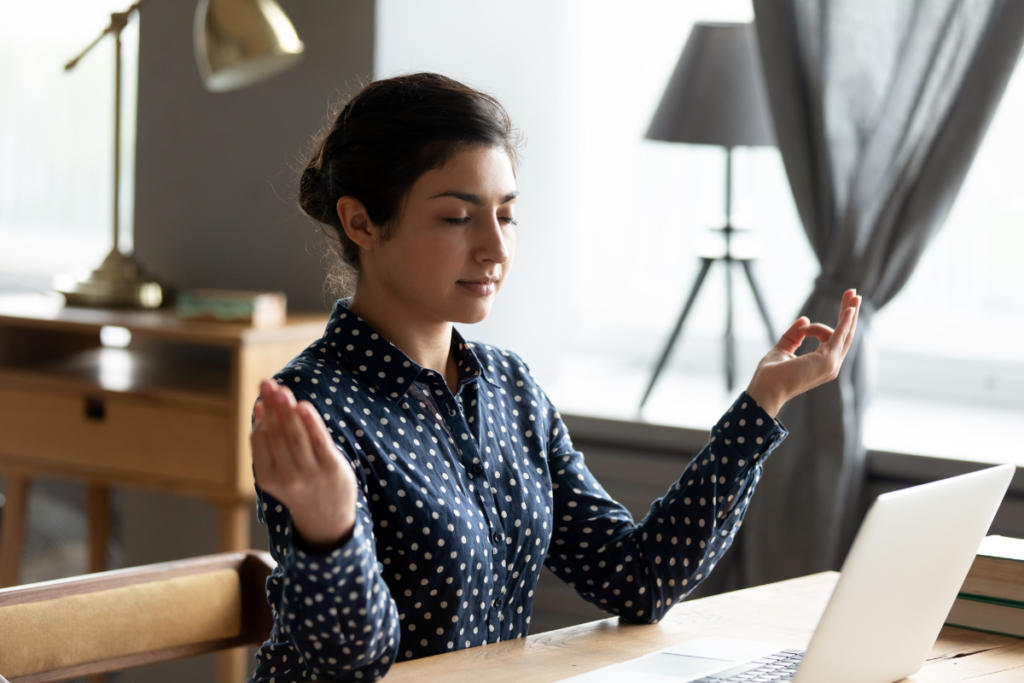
118 283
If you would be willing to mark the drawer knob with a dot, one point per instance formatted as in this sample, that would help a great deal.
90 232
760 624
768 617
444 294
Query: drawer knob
95 409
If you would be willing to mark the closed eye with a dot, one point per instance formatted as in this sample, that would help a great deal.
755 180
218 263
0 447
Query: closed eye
463 221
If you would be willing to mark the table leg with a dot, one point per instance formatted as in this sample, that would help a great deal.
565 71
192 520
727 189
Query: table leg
234 526
234 665
99 526
12 535
99 535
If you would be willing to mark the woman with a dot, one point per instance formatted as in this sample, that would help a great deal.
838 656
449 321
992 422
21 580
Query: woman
414 484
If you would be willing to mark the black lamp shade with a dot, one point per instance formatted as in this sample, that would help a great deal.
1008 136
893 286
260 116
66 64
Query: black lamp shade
716 95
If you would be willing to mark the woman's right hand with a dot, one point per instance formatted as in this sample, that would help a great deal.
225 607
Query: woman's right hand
296 461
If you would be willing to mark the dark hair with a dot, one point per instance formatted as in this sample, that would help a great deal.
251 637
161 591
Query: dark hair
388 134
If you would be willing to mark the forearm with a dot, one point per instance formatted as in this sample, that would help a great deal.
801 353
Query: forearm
333 605
639 571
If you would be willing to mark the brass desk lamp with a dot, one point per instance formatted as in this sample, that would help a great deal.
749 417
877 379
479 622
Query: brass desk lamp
237 43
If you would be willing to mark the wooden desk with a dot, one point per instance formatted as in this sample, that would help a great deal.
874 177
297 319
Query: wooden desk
784 613
171 412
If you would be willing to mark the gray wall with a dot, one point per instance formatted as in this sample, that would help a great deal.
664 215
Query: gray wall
214 184
215 207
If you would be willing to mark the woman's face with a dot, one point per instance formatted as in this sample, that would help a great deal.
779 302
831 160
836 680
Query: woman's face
452 248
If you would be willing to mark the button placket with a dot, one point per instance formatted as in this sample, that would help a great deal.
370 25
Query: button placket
471 454
498 537
472 460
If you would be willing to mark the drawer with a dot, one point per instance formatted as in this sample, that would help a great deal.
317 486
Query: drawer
116 435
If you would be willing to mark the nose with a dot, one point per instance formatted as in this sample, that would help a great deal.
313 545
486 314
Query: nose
494 245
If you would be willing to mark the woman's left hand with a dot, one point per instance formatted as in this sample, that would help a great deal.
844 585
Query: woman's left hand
782 374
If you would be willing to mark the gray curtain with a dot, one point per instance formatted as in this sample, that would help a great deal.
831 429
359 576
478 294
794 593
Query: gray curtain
879 107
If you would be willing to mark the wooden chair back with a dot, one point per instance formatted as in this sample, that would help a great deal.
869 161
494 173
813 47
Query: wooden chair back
108 621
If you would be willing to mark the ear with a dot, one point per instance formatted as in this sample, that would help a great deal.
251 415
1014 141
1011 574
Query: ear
357 224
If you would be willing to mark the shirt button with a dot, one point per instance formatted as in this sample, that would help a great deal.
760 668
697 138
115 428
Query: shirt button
477 469
497 602
497 537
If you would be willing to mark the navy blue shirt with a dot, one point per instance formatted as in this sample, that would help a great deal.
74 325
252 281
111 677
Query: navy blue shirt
462 499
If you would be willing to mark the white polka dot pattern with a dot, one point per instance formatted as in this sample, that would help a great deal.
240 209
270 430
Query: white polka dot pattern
462 499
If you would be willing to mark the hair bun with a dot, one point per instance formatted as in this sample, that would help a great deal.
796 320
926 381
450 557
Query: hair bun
313 196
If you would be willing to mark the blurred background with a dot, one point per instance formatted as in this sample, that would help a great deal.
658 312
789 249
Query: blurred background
611 225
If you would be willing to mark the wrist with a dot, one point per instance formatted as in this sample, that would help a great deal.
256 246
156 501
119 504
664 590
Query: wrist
768 401
322 535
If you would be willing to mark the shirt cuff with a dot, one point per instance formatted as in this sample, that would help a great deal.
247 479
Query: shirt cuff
346 554
747 431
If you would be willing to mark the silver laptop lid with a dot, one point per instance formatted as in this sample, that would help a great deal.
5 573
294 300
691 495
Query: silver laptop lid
900 579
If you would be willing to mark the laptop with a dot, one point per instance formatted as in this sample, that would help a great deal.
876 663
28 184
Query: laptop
898 583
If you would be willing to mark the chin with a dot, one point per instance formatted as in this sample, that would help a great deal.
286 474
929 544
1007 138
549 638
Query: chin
471 314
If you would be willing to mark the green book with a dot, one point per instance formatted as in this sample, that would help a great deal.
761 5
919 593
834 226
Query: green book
992 596
258 309
990 616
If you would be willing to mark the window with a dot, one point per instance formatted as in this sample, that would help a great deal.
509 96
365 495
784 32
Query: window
947 354
645 209
56 135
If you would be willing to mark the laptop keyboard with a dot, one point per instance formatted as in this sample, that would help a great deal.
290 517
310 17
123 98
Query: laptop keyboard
780 666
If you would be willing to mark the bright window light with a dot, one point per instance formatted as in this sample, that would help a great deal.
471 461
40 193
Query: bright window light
56 128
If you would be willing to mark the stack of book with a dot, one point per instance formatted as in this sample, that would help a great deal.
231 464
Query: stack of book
257 309
992 597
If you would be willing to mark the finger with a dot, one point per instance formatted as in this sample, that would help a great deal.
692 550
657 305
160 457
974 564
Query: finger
267 390
794 336
294 432
819 331
265 403
837 342
323 447
853 326
262 458
850 302
257 414
289 397
273 432
847 301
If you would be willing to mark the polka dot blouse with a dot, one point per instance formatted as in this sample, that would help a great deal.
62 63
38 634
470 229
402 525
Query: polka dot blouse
462 499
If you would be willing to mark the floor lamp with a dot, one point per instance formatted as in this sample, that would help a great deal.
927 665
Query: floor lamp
716 96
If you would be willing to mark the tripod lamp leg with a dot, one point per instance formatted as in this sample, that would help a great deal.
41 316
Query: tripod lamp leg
760 303
730 344
705 266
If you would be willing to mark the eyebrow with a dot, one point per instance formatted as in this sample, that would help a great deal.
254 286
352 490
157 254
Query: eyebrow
475 198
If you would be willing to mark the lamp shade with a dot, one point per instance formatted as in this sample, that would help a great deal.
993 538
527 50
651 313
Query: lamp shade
716 95
241 42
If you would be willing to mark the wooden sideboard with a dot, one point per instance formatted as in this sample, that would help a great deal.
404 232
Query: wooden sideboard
170 411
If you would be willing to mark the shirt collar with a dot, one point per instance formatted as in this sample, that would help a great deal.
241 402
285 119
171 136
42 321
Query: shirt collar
381 363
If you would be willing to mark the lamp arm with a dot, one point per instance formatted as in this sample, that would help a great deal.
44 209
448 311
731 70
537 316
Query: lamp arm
118 20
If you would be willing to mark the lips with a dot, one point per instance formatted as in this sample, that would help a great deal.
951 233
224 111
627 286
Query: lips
480 287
